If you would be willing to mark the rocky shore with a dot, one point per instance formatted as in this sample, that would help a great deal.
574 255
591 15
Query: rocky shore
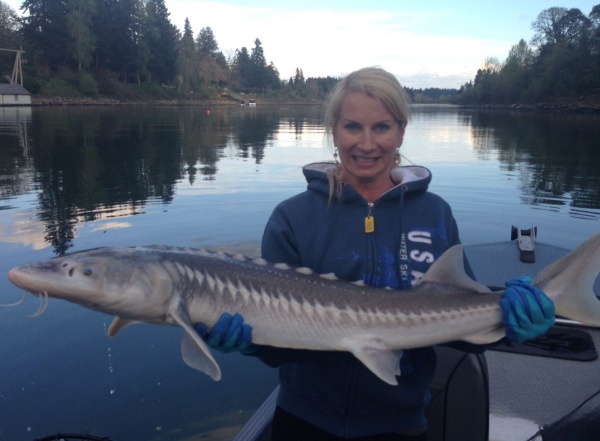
222 101
60 101
587 106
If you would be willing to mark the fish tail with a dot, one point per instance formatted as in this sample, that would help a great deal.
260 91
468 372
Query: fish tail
569 282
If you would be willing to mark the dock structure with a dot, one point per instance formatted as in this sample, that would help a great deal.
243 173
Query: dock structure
13 93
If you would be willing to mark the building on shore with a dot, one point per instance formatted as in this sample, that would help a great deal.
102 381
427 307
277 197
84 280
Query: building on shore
14 95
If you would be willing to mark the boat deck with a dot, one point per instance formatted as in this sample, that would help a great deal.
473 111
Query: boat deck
529 391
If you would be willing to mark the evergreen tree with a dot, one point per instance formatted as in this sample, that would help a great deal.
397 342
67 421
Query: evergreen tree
273 80
256 75
257 55
213 69
45 30
299 78
187 58
241 69
161 39
206 42
118 27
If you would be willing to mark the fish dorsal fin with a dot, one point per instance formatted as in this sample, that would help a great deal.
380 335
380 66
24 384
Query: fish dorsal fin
194 350
449 269
119 323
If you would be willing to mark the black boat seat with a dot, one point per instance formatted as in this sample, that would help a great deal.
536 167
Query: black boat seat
458 410
459 407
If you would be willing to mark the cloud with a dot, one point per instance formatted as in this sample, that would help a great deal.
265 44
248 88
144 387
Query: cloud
327 42
426 48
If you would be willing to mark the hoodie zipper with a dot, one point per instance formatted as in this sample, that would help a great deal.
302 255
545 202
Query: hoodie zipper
370 256
370 220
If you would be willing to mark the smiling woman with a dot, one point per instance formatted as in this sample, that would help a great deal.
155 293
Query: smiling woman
367 115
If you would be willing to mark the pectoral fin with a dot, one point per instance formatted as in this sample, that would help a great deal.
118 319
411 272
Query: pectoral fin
119 323
194 350
374 355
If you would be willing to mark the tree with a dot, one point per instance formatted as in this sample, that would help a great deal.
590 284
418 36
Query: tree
240 69
9 22
520 55
273 80
9 28
257 55
79 21
213 69
562 36
257 76
595 45
206 42
299 78
119 27
45 30
161 39
515 71
558 25
9 37
187 57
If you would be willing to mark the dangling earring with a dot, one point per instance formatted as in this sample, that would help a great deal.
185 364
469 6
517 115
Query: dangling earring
397 156
335 155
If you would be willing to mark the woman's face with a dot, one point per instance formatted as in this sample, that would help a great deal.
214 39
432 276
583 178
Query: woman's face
366 136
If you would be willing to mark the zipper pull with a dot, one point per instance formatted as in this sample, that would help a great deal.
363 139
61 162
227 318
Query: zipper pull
370 220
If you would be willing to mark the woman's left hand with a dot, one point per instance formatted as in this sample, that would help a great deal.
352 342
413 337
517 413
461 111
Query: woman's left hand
527 312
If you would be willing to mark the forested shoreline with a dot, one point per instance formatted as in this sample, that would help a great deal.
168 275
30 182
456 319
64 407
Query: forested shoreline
129 51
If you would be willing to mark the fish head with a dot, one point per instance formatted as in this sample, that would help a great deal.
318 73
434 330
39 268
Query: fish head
105 279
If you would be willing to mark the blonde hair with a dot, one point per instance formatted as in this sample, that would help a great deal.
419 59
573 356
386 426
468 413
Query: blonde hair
373 82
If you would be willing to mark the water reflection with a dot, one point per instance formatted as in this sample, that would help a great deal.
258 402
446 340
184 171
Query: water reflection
92 162
556 156
88 163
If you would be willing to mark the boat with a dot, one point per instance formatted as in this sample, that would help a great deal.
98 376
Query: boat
544 389
252 103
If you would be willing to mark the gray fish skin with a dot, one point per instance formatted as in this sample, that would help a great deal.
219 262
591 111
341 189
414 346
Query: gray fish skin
294 308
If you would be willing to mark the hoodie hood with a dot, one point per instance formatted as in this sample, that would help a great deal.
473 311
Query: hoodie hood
408 179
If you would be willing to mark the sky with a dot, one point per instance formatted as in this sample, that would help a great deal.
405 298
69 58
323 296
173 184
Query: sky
425 43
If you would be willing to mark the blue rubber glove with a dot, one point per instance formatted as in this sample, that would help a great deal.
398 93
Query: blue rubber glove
229 334
527 312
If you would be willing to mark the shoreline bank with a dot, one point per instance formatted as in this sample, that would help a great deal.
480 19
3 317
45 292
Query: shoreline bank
585 107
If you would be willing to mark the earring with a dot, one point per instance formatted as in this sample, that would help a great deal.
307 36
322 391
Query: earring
397 156
335 155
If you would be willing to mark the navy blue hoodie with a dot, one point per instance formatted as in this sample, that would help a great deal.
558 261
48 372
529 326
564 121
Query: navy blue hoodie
412 228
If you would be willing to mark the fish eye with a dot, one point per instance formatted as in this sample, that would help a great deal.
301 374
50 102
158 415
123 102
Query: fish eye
87 272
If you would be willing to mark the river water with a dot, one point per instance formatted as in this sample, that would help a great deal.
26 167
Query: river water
74 178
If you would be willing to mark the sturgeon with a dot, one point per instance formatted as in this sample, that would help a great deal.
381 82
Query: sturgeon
295 308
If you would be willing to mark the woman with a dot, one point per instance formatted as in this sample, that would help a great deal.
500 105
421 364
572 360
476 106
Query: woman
365 218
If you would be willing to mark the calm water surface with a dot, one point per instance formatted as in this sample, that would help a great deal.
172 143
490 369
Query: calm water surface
78 178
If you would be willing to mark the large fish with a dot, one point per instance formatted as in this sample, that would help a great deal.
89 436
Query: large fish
294 308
